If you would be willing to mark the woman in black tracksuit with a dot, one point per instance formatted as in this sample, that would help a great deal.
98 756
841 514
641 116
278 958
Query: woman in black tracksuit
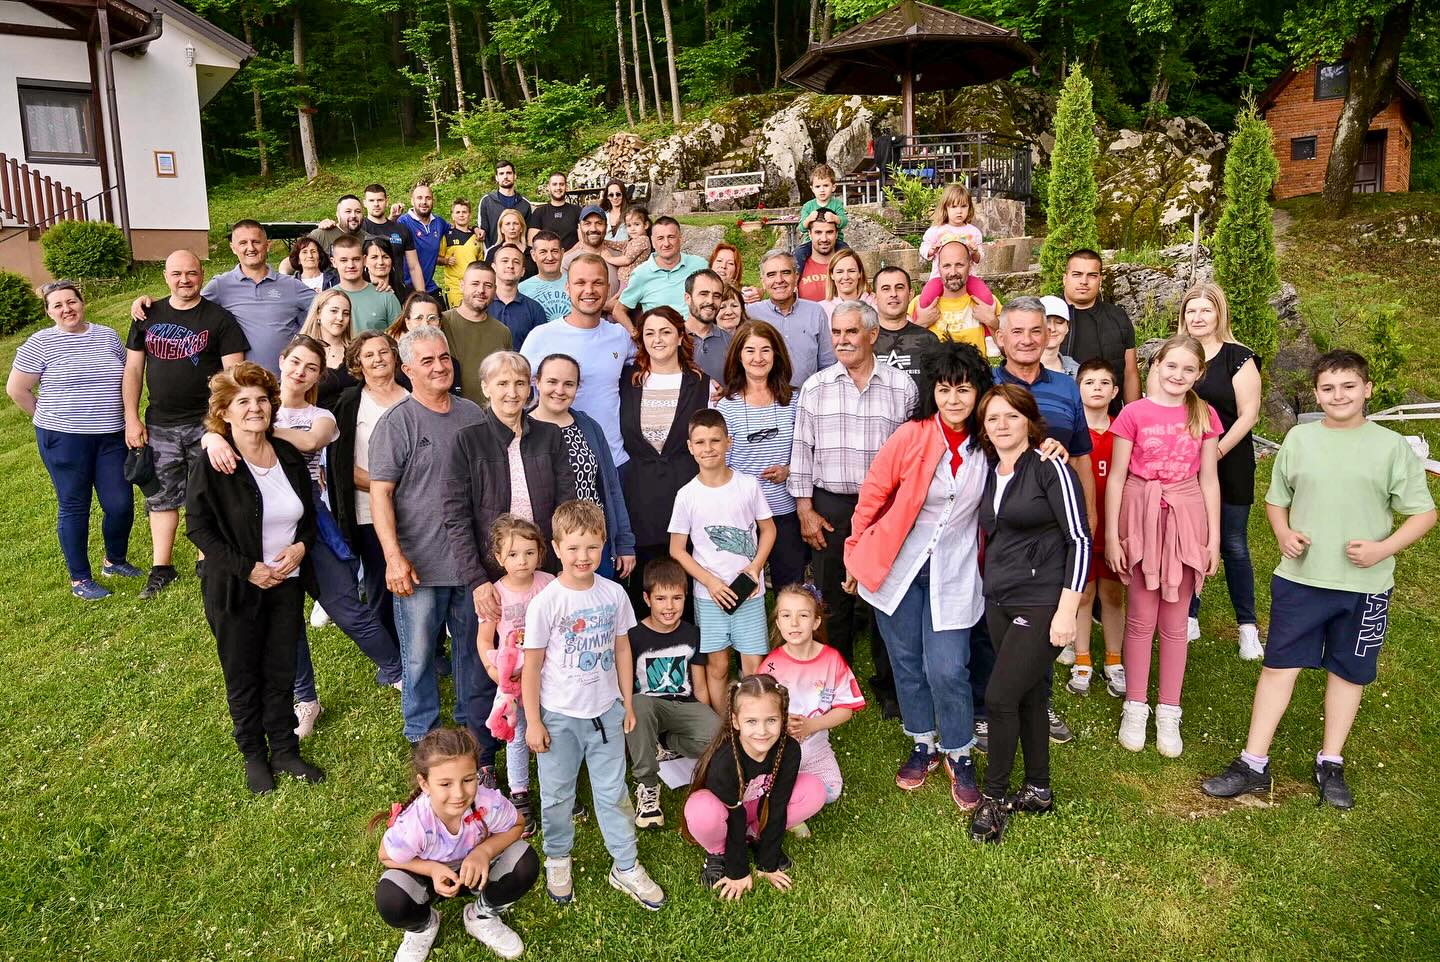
1037 553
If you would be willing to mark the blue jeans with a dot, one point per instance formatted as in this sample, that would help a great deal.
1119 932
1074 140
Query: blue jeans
340 597
418 620
1239 572
932 669
600 744
78 464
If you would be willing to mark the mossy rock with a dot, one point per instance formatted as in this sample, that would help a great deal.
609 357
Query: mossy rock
1151 183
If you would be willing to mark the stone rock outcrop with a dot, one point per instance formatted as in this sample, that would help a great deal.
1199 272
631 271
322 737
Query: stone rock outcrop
1149 292
1152 182
811 130
701 241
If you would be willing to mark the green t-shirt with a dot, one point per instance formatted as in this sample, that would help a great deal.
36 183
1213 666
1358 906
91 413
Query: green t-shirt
833 205
372 310
470 343
1343 485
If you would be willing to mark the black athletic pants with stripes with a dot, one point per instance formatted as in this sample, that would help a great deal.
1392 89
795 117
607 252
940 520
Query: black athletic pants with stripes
404 898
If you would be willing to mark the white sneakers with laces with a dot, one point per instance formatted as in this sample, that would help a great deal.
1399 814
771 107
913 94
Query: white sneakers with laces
558 881
416 945
1134 719
1250 647
306 714
637 883
647 807
492 932
1167 731
1192 629
1067 655
1079 682
1115 680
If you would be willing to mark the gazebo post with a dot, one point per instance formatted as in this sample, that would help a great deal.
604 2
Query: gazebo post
907 91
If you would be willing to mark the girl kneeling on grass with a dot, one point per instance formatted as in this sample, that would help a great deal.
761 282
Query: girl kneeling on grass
750 771
1162 530
450 838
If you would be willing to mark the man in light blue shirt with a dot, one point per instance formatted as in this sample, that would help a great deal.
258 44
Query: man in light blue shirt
548 288
600 347
802 323
661 279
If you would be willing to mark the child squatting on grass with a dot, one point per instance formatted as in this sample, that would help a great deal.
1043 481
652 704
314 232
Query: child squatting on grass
748 788
452 838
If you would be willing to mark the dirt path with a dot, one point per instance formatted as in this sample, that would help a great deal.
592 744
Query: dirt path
1280 222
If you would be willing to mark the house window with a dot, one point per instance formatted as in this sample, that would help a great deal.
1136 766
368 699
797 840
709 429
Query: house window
1332 80
1302 148
56 121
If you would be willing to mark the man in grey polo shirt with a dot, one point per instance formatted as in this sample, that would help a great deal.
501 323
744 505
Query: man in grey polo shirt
269 306
703 290
803 324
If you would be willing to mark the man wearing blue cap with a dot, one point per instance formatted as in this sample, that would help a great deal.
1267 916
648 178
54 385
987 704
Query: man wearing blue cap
592 241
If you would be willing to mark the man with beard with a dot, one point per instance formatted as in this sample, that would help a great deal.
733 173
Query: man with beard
473 334
428 230
557 215
349 213
592 241
378 223
504 197
955 315
814 269
703 293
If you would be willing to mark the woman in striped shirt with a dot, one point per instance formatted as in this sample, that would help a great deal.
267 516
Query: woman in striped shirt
79 420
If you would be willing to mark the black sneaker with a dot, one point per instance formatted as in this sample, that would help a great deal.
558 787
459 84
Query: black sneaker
782 864
712 870
1239 779
292 764
521 801
199 567
988 822
579 813
982 735
1330 779
160 578
1031 800
258 777
1060 732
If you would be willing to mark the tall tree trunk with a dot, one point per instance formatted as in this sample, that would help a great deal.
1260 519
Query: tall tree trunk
828 23
776 32
490 92
650 52
814 17
670 62
407 96
524 84
305 110
455 63
624 77
505 77
635 46
1373 65
260 144
1159 87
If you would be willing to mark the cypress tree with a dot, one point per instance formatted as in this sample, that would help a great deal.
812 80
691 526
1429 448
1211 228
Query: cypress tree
1070 210
1245 262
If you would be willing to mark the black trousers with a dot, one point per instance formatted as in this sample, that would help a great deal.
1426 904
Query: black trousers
847 615
403 898
787 558
1017 693
257 657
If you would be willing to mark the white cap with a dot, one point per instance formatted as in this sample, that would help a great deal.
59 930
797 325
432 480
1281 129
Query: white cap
1055 306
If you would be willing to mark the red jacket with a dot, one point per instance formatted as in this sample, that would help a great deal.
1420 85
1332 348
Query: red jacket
891 498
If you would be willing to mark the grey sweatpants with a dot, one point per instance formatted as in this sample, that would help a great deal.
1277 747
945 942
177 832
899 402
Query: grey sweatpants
688 727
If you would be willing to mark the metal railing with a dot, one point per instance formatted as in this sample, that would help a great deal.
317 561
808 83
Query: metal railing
990 165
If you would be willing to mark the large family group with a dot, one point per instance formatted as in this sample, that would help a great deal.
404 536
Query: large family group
580 424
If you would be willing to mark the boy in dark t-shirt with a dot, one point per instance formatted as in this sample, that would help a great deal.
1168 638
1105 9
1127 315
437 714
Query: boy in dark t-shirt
670 689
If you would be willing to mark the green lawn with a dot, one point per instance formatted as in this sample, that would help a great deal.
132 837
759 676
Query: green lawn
126 825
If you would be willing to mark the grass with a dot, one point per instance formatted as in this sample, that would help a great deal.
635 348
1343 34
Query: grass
126 824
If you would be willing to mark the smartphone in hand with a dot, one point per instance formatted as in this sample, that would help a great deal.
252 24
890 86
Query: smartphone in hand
743 585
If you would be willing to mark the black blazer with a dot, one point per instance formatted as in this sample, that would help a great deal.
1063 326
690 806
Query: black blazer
652 480
477 488
222 519
340 462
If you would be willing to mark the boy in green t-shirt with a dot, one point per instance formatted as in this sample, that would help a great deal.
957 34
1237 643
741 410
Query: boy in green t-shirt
822 182
1335 489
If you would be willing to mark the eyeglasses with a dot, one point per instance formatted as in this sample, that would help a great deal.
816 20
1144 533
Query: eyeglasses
764 434
615 193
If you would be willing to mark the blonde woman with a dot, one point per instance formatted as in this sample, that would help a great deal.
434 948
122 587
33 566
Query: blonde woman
510 229
846 281
329 323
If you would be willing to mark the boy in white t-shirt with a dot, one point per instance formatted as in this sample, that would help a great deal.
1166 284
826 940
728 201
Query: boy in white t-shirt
577 686
724 516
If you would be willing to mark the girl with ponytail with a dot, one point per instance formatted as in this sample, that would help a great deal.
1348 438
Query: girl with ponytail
748 788
1162 525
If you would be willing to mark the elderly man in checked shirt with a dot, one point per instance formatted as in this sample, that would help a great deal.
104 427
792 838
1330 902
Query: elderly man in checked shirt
845 412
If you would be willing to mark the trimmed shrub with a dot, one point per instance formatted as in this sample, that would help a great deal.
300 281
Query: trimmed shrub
80 249
1386 354
20 306
1071 194
1245 263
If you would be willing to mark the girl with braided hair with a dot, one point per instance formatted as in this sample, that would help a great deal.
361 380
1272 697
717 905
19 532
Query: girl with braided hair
750 772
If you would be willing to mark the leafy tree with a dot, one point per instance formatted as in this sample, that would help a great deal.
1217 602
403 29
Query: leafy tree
1072 194
1386 353
708 71
550 120
1245 264
418 41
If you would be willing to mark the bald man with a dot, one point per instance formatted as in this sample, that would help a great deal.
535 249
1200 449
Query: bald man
183 340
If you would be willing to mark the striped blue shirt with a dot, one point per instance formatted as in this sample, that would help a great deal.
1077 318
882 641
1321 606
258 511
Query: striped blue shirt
79 379
773 428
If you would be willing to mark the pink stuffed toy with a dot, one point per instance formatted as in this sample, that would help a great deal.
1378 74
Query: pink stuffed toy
504 713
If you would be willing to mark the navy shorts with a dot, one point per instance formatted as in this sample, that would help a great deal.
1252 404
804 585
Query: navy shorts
1339 631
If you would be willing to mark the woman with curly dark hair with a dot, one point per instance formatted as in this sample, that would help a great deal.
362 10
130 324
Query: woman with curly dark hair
309 263
913 555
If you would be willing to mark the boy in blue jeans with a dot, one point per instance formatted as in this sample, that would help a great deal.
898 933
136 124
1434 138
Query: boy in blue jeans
577 687
1335 489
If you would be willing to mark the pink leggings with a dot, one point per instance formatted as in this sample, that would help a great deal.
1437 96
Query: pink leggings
1144 612
705 814
974 286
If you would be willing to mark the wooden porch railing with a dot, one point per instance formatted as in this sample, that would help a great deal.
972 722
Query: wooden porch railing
36 201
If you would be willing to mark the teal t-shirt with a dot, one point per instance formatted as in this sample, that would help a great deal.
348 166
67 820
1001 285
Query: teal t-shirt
372 310
1343 485
834 206
550 295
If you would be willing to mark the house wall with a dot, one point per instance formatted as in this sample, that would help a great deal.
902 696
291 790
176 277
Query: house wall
1296 113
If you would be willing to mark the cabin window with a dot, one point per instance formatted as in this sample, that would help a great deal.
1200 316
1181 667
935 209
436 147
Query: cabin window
1302 148
1332 81
56 121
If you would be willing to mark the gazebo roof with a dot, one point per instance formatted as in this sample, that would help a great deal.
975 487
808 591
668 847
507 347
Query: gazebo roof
919 19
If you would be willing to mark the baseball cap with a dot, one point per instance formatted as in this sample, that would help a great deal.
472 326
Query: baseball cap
1055 306
589 209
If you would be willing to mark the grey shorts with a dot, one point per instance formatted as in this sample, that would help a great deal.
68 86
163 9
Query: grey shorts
176 448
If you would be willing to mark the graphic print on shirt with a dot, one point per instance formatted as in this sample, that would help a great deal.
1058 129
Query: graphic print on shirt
665 671
589 639
896 359
1169 447
734 540
175 342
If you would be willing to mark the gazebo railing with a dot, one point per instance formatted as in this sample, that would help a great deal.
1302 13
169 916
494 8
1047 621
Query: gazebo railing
990 165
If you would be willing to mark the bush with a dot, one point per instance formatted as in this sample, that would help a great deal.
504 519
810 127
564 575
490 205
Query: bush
1245 263
78 249
20 306
1386 355
550 121
487 124
1071 194
708 72
910 195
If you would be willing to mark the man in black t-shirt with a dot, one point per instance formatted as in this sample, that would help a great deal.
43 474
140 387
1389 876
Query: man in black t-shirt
1099 328
902 344
557 215
380 222
504 197
670 688
182 342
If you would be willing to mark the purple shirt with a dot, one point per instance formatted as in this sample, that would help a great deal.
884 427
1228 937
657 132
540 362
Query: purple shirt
417 832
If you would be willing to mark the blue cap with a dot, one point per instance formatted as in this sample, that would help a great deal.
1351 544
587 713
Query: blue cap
589 209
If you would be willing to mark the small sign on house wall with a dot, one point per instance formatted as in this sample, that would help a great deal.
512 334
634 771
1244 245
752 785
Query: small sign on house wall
165 163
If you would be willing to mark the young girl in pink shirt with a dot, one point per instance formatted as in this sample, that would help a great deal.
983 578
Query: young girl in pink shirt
1162 526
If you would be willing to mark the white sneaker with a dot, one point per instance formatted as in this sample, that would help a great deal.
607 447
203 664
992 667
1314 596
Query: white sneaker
1192 629
1067 655
1134 717
1250 648
638 884
493 933
416 945
558 881
1167 731
306 712
1115 680
799 830
1079 682
318 617
647 807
